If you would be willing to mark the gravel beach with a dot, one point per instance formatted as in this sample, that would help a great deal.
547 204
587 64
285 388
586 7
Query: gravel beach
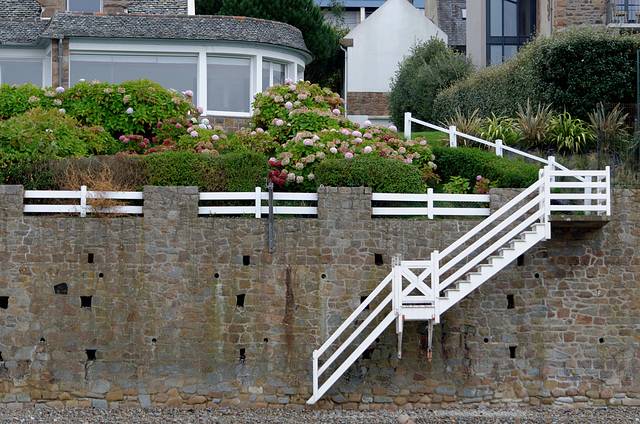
268 416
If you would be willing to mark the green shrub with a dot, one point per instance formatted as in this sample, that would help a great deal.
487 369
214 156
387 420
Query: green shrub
48 133
570 135
499 128
572 70
431 66
457 185
33 174
468 162
242 171
383 175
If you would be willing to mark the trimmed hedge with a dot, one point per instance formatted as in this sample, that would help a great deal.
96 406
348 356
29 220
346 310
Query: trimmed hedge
383 175
572 70
469 162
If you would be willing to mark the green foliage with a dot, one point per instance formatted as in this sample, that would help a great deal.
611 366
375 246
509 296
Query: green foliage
572 70
468 124
533 124
432 66
499 128
33 174
320 39
570 135
608 125
469 162
49 133
457 185
383 175
241 171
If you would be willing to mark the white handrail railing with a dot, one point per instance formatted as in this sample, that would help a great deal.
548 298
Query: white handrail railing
83 195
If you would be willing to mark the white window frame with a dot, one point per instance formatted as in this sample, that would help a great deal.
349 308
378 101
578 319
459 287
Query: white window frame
271 62
293 59
100 1
31 54
252 85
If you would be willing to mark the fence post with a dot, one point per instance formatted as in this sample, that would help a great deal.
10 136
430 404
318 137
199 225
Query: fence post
552 167
588 190
547 200
407 125
499 147
453 141
435 284
83 201
430 203
258 212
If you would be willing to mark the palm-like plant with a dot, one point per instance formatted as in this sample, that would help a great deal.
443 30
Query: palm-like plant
569 135
610 125
465 124
533 124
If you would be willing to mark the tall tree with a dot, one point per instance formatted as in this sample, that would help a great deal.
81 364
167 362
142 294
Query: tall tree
305 15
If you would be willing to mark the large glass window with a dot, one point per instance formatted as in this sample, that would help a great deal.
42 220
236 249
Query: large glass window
228 84
21 71
92 6
510 23
272 73
171 72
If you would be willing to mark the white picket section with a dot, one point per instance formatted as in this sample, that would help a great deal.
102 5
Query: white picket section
257 208
83 208
430 210
466 264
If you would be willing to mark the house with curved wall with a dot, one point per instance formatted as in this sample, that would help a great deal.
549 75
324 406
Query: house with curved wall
224 60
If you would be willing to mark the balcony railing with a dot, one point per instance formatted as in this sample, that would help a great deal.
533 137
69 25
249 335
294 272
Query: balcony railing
623 12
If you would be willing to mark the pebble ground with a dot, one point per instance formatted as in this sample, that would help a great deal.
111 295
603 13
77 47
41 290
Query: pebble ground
268 416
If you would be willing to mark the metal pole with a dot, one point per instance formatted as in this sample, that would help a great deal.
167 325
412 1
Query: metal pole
272 243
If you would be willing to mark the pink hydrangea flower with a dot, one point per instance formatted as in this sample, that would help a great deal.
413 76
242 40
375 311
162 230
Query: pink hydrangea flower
215 137
356 133
253 133
129 111
366 124
279 122
178 125
60 90
367 135
348 155
122 138
368 149
357 140
423 142
200 110
479 177
288 81
291 176
299 179
193 133
316 138
336 111
189 93
393 128
292 87
409 160
259 130
82 80
333 150
308 142
345 131
288 105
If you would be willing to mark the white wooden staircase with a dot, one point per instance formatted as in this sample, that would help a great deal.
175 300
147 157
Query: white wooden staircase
424 290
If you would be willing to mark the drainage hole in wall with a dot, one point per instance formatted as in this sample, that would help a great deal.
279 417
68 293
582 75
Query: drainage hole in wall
266 340
536 275
154 341
90 258
520 261
240 300
377 257
601 340
367 353
510 302
101 275
216 275
362 299
85 302
1 358
61 288
42 340
512 351
4 302
486 340
91 354
246 260
323 276
243 356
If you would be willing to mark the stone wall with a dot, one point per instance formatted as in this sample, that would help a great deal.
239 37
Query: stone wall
571 13
173 309
370 103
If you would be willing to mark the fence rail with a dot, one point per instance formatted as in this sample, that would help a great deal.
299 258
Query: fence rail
430 204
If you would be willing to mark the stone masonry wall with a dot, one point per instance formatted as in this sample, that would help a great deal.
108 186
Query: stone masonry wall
571 13
369 103
174 309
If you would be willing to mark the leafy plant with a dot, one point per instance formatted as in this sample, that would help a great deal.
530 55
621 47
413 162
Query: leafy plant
499 128
569 134
533 124
457 185
608 126
468 124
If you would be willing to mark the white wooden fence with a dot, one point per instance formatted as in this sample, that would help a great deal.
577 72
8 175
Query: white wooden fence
257 203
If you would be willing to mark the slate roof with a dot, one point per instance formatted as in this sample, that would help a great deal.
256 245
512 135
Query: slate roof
159 7
174 27
20 9
21 32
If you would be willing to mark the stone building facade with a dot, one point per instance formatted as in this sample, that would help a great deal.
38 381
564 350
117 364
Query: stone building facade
176 309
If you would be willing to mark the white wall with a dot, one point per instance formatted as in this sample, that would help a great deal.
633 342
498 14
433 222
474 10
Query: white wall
382 41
